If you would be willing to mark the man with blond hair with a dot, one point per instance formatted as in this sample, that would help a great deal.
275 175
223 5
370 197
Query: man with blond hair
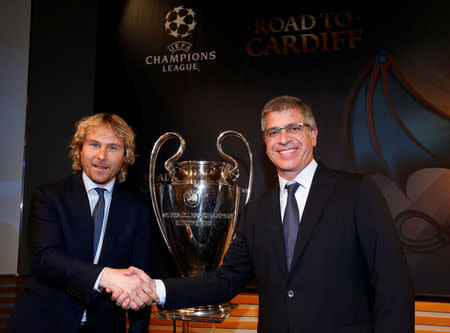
85 230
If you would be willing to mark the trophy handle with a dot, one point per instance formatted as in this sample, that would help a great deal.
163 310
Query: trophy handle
235 171
163 138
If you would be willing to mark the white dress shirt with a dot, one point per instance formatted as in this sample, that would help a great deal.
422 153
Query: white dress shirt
304 178
93 198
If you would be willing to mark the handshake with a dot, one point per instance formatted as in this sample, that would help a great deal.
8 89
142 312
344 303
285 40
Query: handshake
130 288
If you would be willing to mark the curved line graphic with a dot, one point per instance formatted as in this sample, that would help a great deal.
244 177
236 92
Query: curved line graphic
392 129
385 68
373 134
417 94
433 243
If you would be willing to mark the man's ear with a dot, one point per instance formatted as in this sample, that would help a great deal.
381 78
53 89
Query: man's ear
314 132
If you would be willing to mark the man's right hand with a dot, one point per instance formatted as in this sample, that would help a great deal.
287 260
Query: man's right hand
131 287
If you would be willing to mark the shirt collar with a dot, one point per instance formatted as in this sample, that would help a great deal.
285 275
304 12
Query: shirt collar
304 177
89 184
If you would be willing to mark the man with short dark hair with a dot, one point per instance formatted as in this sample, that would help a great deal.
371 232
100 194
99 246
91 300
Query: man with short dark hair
321 244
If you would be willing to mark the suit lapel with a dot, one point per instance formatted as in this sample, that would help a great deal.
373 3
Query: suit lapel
83 226
321 188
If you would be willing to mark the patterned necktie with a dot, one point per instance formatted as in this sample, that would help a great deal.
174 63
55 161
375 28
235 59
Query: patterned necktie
291 221
97 215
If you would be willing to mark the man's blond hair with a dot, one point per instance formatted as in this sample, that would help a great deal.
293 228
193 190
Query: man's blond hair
105 120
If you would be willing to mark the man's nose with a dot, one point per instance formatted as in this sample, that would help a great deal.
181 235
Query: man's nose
284 136
101 154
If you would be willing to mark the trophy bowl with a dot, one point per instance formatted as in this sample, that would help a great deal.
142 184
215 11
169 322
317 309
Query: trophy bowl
197 212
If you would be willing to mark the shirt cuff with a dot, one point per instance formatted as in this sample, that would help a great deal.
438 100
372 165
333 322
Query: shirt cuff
98 281
161 291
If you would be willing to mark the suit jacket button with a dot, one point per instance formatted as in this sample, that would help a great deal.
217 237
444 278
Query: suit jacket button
290 293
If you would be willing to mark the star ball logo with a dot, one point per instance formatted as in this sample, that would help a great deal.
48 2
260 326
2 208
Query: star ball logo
180 23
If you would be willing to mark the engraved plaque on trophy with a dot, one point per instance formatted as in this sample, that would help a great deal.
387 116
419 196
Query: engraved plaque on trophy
197 211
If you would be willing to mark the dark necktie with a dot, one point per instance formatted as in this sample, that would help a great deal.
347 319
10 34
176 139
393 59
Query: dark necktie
291 221
97 215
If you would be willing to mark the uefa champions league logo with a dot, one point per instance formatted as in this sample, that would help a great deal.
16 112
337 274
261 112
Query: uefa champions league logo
191 198
180 22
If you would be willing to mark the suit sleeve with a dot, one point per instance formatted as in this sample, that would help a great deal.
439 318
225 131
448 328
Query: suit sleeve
216 286
49 263
386 263
141 258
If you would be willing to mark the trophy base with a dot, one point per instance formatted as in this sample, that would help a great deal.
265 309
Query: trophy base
215 313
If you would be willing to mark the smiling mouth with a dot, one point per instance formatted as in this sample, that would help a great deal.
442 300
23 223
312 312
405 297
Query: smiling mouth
101 167
287 151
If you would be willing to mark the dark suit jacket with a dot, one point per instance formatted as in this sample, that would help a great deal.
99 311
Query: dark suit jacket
349 273
61 236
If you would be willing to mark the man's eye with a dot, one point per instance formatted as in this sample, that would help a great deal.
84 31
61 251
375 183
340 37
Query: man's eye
295 129
273 131
93 144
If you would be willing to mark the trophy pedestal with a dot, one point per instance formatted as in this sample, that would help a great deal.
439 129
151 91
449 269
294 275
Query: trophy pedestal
216 313
209 313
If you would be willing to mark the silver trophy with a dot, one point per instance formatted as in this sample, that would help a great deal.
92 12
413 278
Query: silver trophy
197 211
